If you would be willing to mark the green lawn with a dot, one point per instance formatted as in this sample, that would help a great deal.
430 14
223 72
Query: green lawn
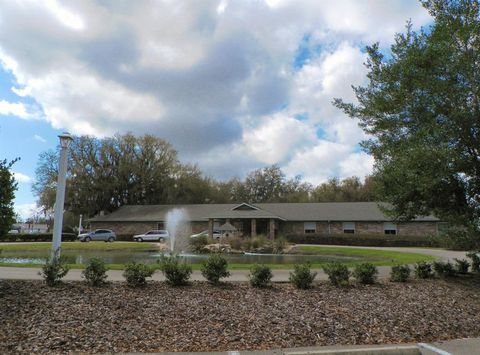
375 256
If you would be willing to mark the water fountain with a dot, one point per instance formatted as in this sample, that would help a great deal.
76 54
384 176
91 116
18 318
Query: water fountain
175 222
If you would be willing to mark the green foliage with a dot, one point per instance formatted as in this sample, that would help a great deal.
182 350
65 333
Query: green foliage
177 273
215 268
237 243
136 274
8 186
54 270
260 276
420 106
460 239
365 273
461 266
197 244
475 260
443 269
423 270
338 273
279 244
400 273
302 277
95 272
257 242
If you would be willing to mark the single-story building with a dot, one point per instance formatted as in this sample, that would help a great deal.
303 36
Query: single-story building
328 218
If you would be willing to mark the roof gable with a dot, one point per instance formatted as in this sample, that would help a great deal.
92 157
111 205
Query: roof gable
245 207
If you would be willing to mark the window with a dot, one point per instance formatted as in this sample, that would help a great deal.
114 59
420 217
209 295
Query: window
348 227
390 228
309 227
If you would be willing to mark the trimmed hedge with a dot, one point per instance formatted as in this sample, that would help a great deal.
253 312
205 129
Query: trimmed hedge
36 237
47 237
364 240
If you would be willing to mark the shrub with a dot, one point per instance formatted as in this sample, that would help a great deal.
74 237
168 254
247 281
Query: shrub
371 240
338 273
400 273
136 273
461 266
302 277
458 238
423 270
260 276
96 272
215 268
475 260
177 273
365 273
257 242
197 244
236 243
54 270
279 244
443 269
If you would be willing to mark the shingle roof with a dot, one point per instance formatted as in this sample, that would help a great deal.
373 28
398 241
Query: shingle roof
325 211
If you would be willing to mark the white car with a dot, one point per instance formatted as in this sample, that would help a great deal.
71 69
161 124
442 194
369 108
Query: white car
216 234
153 235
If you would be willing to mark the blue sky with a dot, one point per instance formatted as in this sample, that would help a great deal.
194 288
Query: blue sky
251 78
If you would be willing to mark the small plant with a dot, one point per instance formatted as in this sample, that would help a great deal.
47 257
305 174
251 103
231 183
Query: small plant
365 273
475 260
54 270
260 276
215 268
136 274
236 243
461 266
96 272
198 243
423 270
257 242
177 273
279 245
400 273
443 269
302 277
338 273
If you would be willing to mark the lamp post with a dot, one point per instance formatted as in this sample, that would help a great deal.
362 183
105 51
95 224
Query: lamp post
65 140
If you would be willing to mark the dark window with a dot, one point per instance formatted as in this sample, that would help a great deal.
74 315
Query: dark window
349 231
390 231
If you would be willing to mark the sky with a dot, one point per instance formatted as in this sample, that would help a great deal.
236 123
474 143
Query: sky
232 85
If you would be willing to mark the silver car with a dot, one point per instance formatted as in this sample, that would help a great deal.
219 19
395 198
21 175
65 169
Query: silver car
153 235
105 235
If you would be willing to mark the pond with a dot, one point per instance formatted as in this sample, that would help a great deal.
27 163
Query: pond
126 256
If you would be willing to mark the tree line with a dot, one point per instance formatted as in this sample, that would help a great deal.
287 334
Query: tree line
104 174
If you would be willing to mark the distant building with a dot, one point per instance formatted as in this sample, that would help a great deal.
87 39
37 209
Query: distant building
329 218
30 228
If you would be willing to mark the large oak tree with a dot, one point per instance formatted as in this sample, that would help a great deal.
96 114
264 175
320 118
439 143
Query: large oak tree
422 108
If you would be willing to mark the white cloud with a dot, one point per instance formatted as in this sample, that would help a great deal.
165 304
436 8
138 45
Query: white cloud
356 164
17 109
22 178
39 138
210 76
26 210
274 139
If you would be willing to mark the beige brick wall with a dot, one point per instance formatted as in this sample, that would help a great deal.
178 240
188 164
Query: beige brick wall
364 228
142 227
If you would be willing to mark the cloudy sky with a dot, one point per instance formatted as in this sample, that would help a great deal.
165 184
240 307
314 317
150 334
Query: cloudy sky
233 85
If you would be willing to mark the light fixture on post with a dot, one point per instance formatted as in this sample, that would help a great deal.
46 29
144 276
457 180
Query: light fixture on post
65 140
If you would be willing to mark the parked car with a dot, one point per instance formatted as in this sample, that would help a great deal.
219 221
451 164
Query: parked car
153 235
216 234
100 234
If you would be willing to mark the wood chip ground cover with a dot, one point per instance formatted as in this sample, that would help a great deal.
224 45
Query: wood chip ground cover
77 318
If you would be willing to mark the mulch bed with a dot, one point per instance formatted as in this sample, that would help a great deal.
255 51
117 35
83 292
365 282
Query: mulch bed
77 318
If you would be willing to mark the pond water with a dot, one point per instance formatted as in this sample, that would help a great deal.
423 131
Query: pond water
124 256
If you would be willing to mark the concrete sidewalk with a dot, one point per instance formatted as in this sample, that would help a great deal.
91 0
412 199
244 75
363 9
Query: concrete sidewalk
470 346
